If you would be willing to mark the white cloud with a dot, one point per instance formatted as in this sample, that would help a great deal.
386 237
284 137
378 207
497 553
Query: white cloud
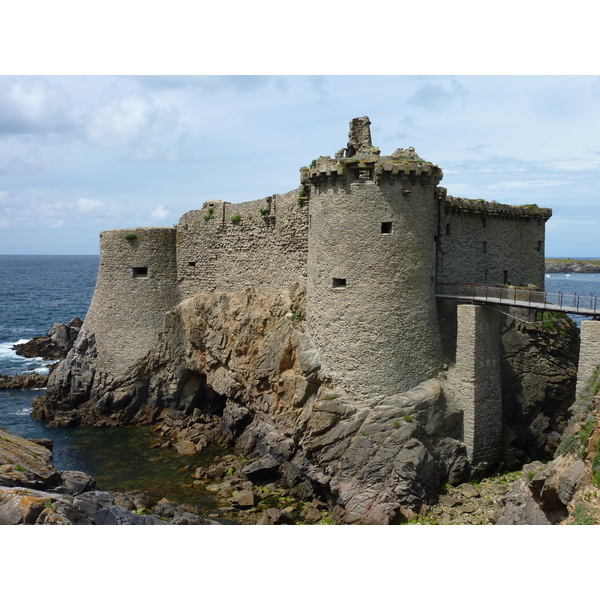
57 224
575 164
523 185
4 224
34 106
86 205
31 162
160 213
437 94
129 119
151 153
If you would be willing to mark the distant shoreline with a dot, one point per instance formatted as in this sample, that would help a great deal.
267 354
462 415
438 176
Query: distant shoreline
572 265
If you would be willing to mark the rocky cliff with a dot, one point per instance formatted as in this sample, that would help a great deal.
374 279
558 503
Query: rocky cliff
539 374
566 489
241 368
248 359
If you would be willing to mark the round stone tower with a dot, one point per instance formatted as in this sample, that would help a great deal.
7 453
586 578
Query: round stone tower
371 261
137 285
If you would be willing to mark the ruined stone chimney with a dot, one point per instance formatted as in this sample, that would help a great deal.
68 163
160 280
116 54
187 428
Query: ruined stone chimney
359 137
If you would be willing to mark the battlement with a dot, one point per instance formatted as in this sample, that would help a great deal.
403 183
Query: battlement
370 169
453 204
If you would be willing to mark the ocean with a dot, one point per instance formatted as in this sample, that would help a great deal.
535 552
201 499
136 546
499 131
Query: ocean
35 293
584 284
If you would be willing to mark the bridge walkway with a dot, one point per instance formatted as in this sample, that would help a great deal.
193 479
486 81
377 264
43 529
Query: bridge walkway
588 305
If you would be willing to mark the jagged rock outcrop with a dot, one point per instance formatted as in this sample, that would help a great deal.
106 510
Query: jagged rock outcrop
23 381
565 490
25 463
55 344
543 493
539 375
248 359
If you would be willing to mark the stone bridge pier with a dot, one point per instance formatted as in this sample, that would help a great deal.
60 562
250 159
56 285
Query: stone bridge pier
474 385
589 355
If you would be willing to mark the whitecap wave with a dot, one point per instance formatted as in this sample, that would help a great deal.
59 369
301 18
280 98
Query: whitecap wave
6 348
12 363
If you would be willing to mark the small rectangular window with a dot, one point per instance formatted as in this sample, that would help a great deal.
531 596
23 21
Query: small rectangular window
140 271
192 263
363 174
339 283
448 229
539 246
483 222
506 278
485 246
386 227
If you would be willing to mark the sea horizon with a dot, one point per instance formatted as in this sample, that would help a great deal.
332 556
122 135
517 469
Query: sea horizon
98 254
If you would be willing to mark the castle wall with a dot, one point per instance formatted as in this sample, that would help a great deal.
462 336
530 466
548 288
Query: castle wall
483 242
136 286
266 250
370 241
371 304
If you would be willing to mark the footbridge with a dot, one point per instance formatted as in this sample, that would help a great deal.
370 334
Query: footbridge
474 386
523 297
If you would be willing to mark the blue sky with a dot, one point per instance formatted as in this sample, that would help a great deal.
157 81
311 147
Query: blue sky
81 154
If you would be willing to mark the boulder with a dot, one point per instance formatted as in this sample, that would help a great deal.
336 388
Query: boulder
77 482
185 448
20 381
542 495
311 515
23 506
263 468
25 463
244 498
55 344
275 516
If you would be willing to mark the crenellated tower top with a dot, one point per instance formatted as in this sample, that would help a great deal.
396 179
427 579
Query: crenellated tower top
360 161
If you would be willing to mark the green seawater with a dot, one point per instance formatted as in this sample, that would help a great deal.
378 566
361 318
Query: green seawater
124 460
119 459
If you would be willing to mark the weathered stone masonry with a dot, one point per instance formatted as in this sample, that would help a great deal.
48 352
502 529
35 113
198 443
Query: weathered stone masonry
589 357
487 242
370 236
474 386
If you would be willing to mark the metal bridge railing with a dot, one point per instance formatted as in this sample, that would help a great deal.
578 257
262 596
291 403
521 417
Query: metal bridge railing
520 296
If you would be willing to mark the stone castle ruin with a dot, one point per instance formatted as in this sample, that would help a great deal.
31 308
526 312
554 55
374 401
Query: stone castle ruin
324 333
370 237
